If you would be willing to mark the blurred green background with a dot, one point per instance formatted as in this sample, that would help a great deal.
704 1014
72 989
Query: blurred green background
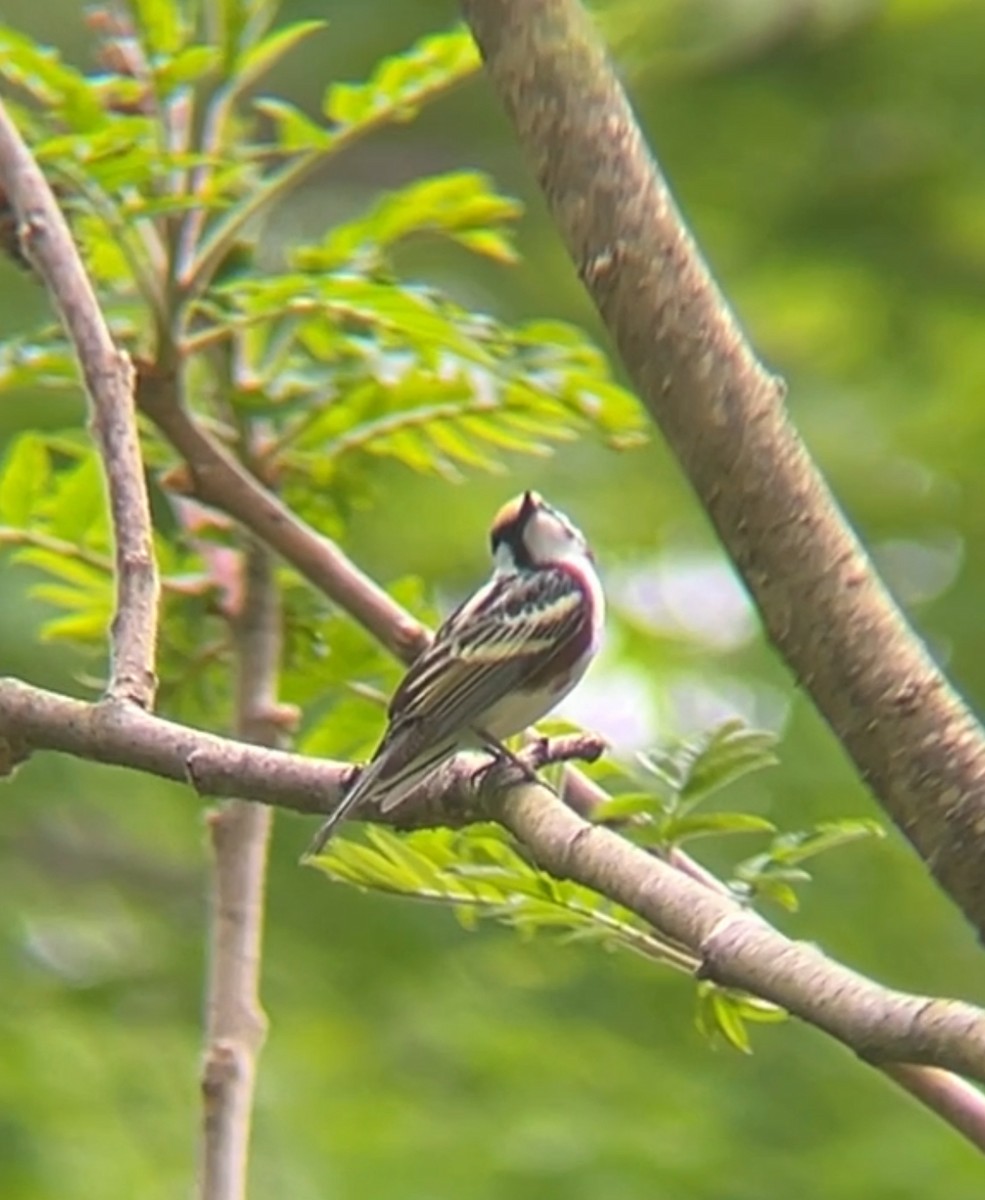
830 156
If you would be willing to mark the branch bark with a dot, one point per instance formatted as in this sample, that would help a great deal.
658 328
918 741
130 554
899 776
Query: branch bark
913 740
907 1037
722 413
108 376
240 835
737 948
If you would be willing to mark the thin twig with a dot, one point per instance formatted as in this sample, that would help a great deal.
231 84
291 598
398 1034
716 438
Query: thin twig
198 271
108 376
913 740
240 833
959 1103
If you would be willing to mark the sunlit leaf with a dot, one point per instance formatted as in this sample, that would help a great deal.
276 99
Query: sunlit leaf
295 131
477 871
24 478
256 61
462 205
404 81
696 825
161 27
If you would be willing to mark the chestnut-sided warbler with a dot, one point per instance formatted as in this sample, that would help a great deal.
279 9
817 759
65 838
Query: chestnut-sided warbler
501 661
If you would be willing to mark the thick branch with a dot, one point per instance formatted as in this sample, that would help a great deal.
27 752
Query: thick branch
739 949
913 740
108 376
735 946
240 832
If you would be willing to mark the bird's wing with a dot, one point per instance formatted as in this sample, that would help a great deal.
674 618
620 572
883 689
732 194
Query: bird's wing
498 641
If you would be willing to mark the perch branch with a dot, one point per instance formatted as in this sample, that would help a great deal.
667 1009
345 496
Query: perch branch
108 374
736 947
908 1037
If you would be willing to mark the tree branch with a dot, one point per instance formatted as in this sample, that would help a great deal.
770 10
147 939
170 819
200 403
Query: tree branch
108 375
240 833
907 1036
34 719
959 1103
912 739
736 947
218 479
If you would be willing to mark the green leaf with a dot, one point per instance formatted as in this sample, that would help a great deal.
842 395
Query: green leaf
296 132
160 25
723 1013
694 768
679 830
773 873
477 871
85 627
728 753
791 849
256 61
64 566
461 205
40 71
187 66
77 511
400 84
24 478
629 805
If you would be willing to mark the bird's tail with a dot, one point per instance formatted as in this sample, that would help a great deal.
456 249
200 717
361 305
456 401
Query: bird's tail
389 778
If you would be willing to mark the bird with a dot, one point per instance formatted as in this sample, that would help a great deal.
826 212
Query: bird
498 663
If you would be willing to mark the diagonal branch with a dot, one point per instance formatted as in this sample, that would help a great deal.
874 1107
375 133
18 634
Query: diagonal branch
218 479
915 1040
108 375
911 737
240 834
908 1037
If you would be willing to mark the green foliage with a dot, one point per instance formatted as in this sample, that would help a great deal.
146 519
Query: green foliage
53 514
343 363
462 206
723 1014
863 289
684 775
479 872
401 84
772 874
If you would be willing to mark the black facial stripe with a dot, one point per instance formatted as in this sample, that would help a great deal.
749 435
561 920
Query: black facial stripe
511 534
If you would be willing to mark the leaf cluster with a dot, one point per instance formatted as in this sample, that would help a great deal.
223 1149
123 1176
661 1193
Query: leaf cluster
169 158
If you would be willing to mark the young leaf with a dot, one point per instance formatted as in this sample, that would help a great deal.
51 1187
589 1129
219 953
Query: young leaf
295 131
400 84
254 62
24 478
722 1013
478 871
678 830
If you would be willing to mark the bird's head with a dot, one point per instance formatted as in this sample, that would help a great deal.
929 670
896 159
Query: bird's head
527 534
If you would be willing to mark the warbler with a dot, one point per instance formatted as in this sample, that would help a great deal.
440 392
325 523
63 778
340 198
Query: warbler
500 662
